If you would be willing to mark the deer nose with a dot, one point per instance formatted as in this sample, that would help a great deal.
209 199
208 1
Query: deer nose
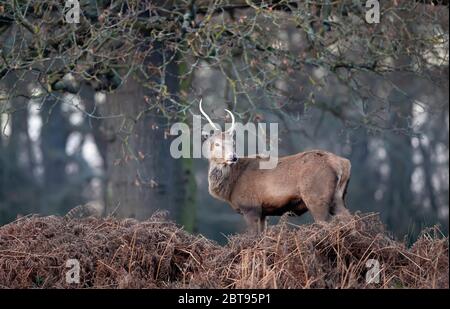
232 158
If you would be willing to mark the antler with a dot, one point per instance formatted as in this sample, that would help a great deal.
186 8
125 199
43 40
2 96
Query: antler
206 116
233 122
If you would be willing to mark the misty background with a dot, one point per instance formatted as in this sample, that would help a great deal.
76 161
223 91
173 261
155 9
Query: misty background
60 149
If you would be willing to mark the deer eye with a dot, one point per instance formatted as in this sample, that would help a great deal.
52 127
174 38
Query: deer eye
217 144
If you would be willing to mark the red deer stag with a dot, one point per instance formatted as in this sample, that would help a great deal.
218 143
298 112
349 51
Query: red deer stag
314 180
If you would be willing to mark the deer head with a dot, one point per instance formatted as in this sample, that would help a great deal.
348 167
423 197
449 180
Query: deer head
221 145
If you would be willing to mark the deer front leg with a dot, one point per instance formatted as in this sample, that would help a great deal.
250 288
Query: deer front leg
262 224
255 221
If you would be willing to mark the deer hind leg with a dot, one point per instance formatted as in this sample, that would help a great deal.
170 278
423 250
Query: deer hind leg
339 207
319 211
320 202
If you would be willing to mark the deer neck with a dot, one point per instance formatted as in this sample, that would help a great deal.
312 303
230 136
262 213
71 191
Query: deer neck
222 179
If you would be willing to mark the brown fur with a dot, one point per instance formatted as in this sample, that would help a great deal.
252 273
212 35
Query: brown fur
314 180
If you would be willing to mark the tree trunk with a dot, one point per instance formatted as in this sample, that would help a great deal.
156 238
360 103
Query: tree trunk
54 135
363 178
399 197
18 184
142 175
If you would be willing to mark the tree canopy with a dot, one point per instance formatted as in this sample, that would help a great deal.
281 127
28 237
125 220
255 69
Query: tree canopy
114 38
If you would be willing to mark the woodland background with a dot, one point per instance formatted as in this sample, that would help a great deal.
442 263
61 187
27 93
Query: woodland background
85 109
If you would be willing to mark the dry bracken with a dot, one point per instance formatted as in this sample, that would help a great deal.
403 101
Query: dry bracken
156 253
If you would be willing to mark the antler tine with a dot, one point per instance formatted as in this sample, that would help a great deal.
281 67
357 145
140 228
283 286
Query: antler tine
233 122
206 116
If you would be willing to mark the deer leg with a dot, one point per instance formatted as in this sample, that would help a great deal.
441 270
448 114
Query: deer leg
319 211
255 221
338 207
320 201
262 224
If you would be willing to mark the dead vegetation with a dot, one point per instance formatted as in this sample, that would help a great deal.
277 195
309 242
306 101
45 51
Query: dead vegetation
156 253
